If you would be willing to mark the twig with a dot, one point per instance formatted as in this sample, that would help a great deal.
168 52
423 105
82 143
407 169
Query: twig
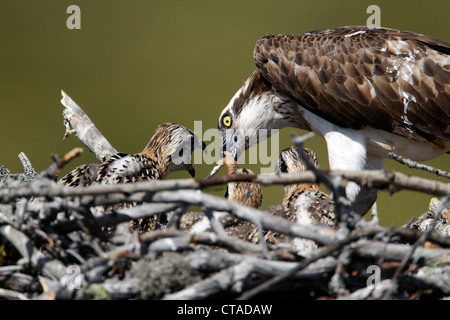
237 268
175 218
319 254
335 184
416 165
49 267
224 279
28 170
85 129
320 234
393 181
419 242
11 294
59 163
119 216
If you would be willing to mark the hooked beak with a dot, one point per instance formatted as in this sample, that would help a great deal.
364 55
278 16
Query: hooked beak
191 171
229 147
196 143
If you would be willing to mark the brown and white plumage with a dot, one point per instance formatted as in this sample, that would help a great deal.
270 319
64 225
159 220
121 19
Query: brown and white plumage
83 175
168 150
442 225
302 202
245 193
159 158
368 92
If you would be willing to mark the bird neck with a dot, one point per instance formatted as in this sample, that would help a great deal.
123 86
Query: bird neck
157 161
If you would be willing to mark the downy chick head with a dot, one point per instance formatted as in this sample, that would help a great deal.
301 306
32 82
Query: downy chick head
291 162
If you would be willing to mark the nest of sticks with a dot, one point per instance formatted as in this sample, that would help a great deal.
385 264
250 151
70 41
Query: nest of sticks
53 247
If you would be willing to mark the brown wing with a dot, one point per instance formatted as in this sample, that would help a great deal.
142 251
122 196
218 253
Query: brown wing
393 80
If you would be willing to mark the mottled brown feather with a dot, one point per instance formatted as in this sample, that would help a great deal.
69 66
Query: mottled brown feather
154 162
356 76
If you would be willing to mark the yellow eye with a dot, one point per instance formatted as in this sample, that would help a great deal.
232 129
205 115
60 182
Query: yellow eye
226 121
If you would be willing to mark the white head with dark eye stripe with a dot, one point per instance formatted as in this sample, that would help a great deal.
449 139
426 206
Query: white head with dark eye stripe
251 116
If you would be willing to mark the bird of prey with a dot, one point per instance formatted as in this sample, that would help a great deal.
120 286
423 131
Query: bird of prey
304 202
367 92
168 150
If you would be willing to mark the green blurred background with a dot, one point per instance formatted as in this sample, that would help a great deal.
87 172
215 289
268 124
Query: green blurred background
136 64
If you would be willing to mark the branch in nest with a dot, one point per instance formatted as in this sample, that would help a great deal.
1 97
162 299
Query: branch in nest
416 165
84 129
393 181
59 163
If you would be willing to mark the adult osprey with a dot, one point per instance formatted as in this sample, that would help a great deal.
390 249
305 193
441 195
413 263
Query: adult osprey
368 92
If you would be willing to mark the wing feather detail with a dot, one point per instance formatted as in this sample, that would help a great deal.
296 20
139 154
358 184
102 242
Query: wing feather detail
122 168
397 81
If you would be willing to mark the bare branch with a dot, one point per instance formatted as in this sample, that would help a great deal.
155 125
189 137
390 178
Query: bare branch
49 267
28 170
85 129
416 165
59 163
393 181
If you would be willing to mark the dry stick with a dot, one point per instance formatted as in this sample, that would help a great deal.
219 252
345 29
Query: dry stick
119 216
416 165
361 247
92 225
175 218
12 295
229 269
380 179
84 129
419 242
342 204
321 234
319 254
215 223
162 240
48 267
59 163
28 170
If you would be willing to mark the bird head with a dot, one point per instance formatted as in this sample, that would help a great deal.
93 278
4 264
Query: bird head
171 146
291 162
252 115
